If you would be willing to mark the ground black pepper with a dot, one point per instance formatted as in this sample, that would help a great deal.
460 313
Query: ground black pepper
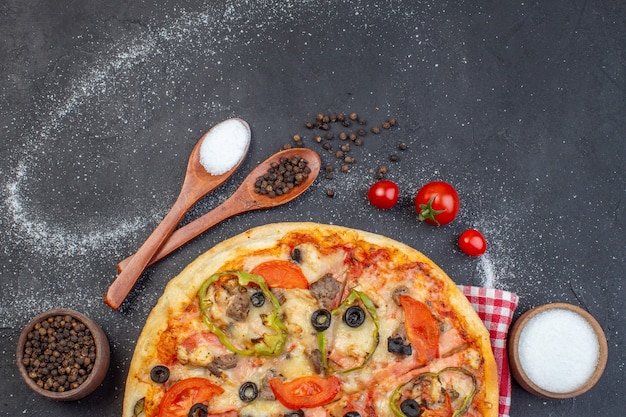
59 353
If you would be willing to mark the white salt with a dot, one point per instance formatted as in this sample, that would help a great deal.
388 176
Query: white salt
224 146
558 350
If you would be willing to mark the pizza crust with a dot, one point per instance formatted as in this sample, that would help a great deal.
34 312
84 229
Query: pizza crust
229 254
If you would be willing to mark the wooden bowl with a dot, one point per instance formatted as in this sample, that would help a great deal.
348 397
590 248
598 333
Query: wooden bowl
100 362
521 375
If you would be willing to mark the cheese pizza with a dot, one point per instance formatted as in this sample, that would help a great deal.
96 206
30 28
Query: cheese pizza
306 319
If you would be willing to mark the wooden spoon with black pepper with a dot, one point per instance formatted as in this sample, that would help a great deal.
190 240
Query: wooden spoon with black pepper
245 198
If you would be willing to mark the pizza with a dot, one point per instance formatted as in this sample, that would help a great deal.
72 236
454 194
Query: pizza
307 319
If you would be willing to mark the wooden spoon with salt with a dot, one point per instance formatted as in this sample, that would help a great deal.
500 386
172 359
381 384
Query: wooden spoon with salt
197 183
244 199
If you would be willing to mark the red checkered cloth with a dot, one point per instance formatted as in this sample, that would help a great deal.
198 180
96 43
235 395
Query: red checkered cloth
495 308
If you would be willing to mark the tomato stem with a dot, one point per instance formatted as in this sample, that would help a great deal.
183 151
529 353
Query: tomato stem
427 212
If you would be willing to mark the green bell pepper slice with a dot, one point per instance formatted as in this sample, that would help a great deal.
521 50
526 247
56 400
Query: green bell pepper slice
367 302
394 402
271 343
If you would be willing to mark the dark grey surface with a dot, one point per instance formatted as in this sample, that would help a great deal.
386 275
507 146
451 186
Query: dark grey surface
521 105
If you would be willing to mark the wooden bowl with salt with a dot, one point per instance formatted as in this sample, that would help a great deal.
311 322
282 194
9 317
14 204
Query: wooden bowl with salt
557 351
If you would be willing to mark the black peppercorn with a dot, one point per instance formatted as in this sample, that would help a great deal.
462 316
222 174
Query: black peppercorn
59 353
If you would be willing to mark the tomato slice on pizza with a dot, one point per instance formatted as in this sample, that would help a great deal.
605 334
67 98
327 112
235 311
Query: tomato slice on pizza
182 397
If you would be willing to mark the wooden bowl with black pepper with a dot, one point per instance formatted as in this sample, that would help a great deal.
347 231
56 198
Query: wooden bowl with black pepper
63 355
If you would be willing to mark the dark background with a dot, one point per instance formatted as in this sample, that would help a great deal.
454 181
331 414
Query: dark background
520 105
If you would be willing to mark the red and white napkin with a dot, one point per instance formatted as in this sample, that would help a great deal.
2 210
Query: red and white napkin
495 308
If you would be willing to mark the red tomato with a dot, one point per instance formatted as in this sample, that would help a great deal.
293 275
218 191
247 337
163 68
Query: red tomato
306 391
281 274
422 329
437 203
383 194
472 242
181 396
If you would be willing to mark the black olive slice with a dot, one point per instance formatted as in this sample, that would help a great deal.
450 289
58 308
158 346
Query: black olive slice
160 374
352 414
198 410
248 392
397 345
320 319
354 316
297 413
296 255
411 408
257 299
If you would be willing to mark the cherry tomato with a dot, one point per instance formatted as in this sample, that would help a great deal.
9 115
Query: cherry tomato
472 242
422 329
437 203
306 391
383 194
181 396
281 274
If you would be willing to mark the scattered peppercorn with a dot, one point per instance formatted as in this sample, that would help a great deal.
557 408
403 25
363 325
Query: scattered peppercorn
330 192
323 122
282 176
59 353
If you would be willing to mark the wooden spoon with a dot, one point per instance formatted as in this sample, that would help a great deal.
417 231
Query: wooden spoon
243 199
197 183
